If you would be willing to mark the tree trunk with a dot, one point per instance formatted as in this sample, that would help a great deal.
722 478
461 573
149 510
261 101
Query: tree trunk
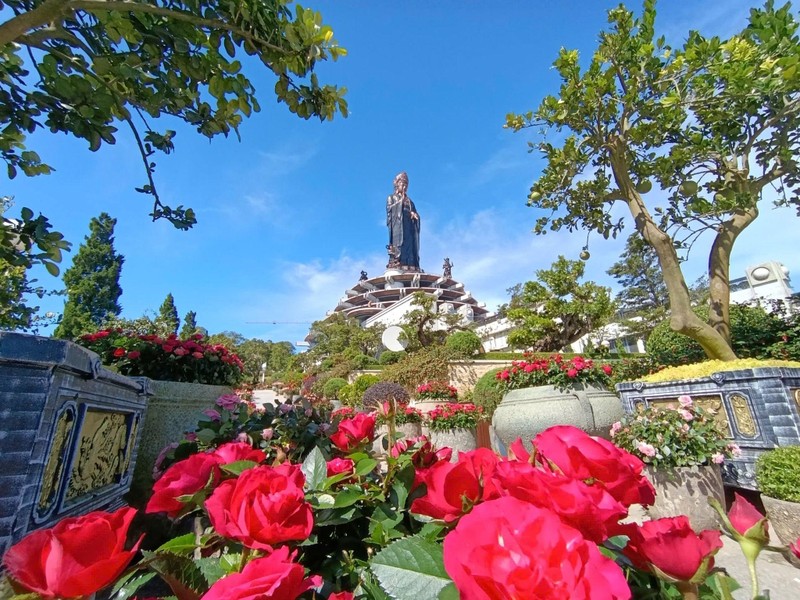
719 260
682 317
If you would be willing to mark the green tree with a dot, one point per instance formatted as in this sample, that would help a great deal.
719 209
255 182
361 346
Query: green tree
425 326
168 314
92 282
83 67
189 324
712 124
339 339
556 310
643 301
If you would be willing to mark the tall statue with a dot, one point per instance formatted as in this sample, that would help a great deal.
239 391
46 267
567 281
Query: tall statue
403 222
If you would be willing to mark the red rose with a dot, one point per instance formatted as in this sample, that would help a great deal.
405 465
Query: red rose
341 596
507 548
134 354
74 559
671 546
235 451
354 432
276 577
184 478
453 488
572 373
340 465
119 352
424 457
584 457
588 508
262 507
607 369
747 521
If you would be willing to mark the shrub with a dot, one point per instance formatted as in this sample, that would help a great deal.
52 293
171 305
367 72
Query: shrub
632 368
488 392
389 357
778 473
753 333
464 343
384 391
436 390
333 386
357 388
361 361
427 364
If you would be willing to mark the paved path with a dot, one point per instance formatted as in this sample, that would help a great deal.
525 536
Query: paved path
774 572
264 397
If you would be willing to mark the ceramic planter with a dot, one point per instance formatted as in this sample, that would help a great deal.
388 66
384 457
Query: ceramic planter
460 440
525 412
784 518
685 491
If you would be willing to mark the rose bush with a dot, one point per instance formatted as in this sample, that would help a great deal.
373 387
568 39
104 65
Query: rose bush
454 416
168 359
679 435
436 390
336 523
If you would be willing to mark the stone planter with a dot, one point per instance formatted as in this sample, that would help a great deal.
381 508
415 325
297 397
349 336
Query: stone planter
460 440
759 408
525 412
173 409
69 434
784 518
685 491
407 430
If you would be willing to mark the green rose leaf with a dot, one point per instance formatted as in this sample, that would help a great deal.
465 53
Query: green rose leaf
315 468
411 569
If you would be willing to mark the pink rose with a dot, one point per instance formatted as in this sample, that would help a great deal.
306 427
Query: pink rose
276 577
236 451
212 414
507 548
184 478
196 354
646 449
685 401
180 352
228 402
267 433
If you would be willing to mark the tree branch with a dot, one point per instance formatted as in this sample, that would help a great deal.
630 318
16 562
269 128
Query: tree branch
127 6
44 14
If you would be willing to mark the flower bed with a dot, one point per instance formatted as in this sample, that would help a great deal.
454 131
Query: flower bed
166 359
326 520
555 370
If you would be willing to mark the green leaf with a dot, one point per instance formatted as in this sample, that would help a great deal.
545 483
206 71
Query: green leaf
315 468
206 436
366 466
411 569
237 467
449 592
211 569
52 268
348 497
126 587
182 545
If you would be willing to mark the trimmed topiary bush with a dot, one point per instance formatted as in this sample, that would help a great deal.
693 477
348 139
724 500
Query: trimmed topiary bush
384 391
464 343
332 387
357 388
778 473
487 392
753 332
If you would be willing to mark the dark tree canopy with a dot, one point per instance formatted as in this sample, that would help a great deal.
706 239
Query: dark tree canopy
168 314
85 67
189 324
92 281
703 131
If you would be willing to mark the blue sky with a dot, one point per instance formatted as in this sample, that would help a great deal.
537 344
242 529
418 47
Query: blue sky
289 216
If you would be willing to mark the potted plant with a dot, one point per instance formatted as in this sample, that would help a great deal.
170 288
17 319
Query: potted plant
542 392
682 447
453 425
187 376
778 478
431 393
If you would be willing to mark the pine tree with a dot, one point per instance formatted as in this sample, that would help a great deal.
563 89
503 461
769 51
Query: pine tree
92 281
643 300
189 324
168 314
